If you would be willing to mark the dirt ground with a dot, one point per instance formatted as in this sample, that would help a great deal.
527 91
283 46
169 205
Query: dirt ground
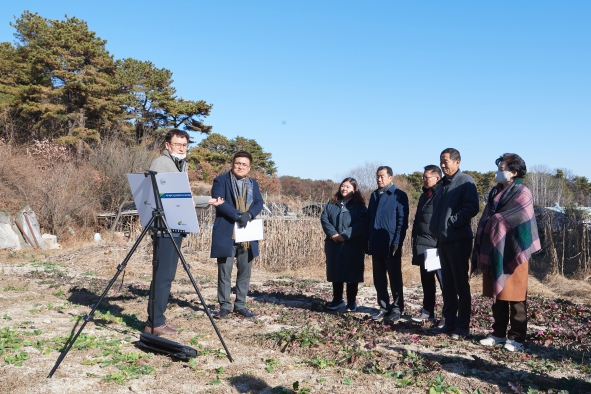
293 346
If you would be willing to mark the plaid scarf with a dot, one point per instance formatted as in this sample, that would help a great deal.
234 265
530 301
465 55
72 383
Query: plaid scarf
507 233
242 197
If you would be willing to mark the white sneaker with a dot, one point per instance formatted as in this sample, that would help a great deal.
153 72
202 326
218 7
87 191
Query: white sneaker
513 346
424 316
491 340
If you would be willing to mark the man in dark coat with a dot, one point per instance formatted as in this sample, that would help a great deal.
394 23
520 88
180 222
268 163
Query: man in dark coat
388 221
237 199
172 160
422 239
454 205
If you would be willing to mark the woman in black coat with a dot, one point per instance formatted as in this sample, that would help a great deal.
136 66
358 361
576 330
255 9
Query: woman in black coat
345 221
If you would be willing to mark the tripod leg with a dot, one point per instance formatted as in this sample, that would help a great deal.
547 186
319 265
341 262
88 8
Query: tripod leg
87 318
153 283
201 299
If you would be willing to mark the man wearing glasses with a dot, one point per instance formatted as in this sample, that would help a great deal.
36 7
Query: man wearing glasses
423 239
172 160
237 200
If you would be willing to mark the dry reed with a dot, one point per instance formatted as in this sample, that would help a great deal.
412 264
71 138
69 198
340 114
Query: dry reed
566 248
291 242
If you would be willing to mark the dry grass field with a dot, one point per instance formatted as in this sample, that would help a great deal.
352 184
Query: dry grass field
294 346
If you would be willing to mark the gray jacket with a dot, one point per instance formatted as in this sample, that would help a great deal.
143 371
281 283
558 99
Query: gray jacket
166 163
455 203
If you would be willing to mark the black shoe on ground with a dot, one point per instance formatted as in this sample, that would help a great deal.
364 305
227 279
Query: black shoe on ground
380 314
459 333
393 316
245 313
334 305
444 330
222 314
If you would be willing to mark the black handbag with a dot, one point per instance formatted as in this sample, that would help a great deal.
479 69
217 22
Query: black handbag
154 343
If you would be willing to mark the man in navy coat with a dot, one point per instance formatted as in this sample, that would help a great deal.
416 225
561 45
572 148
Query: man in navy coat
237 200
388 221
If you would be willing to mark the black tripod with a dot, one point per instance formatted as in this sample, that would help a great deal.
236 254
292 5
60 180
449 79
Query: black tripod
160 226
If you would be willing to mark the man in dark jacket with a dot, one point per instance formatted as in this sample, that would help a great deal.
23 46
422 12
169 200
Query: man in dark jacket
237 199
454 205
388 221
422 239
172 160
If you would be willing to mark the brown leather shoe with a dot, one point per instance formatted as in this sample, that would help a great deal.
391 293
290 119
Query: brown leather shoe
164 329
170 324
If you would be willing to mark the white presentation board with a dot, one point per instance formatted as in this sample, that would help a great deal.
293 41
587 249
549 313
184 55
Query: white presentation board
176 197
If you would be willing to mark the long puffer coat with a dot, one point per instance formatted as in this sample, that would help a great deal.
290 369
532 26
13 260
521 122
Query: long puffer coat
344 260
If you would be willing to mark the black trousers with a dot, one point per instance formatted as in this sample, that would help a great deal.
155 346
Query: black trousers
457 301
429 289
514 311
385 268
337 291
165 271
225 265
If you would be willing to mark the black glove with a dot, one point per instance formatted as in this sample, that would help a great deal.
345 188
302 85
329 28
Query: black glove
394 249
243 219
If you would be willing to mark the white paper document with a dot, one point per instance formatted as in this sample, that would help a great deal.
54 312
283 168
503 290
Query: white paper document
252 232
175 194
432 260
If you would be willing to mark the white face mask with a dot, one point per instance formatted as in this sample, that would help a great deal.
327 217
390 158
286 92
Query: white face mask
178 155
503 176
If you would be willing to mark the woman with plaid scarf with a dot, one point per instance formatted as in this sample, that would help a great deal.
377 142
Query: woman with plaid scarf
507 236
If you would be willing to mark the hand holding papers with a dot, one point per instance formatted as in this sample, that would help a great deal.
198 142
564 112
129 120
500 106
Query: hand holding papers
253 231
432 260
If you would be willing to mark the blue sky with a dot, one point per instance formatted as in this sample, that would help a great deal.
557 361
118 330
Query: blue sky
328 85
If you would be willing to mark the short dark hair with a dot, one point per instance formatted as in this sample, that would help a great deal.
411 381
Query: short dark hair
177 133
454 154
242 154
514 163
434 168
388 170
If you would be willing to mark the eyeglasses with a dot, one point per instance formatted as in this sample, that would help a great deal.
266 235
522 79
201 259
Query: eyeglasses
177 145
240 164
427 177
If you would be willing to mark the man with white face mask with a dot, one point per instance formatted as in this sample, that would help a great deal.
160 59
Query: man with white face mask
173 157
172 160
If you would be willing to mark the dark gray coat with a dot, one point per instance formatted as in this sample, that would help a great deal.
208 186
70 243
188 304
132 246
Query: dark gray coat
422 238
344 260
454 205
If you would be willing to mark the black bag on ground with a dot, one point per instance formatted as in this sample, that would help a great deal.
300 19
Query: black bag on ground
154 343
